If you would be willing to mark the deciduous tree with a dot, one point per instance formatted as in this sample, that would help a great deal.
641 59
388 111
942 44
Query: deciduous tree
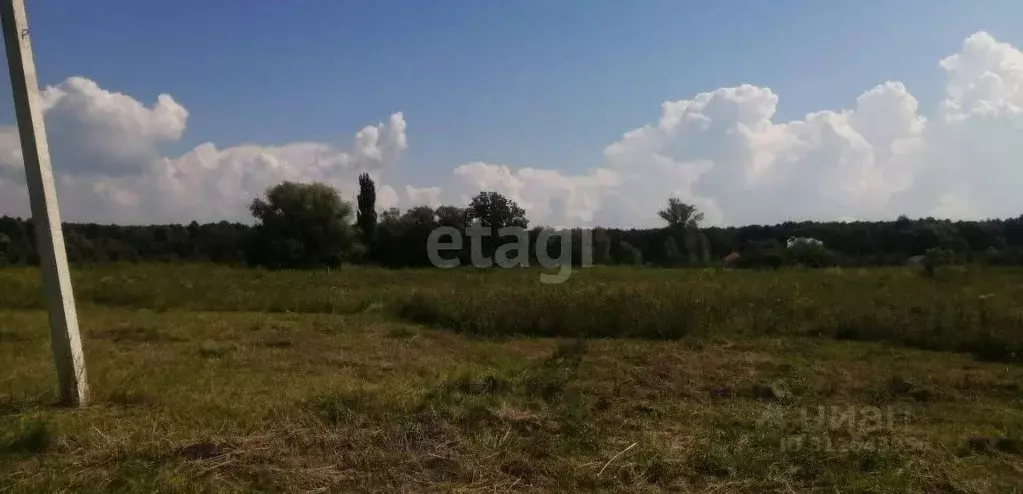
301 225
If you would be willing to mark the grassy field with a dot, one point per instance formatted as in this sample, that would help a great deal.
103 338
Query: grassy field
210 379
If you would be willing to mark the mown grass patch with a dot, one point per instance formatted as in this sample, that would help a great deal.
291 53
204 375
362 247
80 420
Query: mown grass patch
619 380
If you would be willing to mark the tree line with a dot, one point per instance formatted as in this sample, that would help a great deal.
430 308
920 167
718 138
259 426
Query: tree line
307 225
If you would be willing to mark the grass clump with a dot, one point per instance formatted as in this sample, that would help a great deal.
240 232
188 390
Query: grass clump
214 350
131 332
27 436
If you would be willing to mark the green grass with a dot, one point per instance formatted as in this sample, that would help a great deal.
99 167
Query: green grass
208 379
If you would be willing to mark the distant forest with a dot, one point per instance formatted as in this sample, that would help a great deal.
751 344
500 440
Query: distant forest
308 225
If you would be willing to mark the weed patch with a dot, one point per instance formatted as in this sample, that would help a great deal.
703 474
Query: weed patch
134 333
29 436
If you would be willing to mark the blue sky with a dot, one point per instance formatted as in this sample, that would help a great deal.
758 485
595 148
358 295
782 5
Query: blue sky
528 83
542 83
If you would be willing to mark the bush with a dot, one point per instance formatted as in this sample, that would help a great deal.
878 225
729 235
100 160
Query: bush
767 254
937 257
810 255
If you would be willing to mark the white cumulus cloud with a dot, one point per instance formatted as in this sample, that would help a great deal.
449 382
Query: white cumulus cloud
724 150
423 196
105 154
549 196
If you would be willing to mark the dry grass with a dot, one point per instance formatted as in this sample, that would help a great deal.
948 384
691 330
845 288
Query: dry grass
207 389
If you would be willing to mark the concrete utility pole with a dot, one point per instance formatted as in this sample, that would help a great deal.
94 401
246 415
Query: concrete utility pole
64 337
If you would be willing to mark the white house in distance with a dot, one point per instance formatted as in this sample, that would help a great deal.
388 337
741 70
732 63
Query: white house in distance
794 241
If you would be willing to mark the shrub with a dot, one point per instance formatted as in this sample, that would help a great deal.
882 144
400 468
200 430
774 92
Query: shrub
936 257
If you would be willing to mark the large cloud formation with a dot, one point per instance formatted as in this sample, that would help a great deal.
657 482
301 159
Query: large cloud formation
720 149
723 151
104 147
